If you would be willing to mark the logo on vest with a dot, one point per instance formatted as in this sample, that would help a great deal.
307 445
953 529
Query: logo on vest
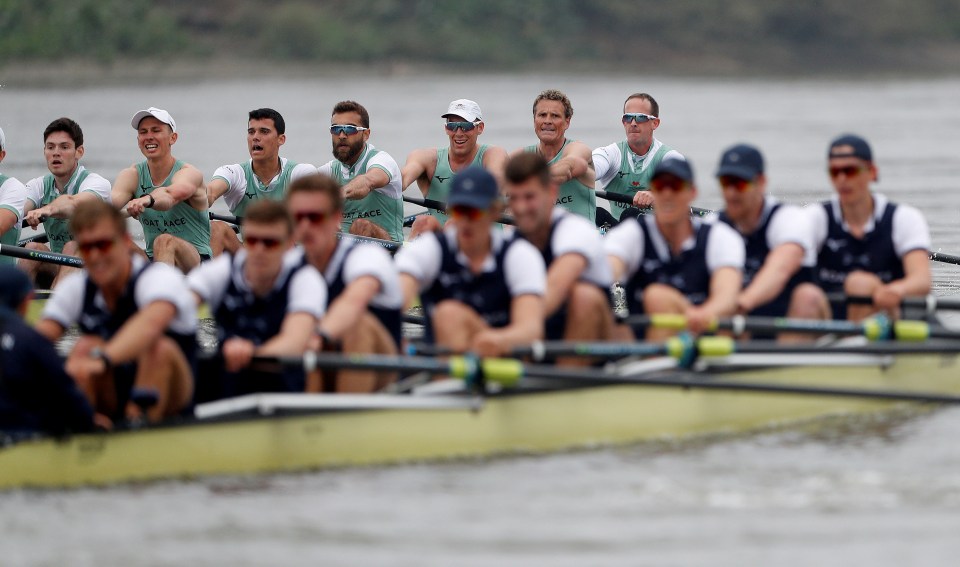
441 179
835 244
566 199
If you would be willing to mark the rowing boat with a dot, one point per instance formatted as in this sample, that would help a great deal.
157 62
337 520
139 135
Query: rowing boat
266 433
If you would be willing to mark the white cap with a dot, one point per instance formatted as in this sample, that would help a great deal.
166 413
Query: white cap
466 109
3 140
158 113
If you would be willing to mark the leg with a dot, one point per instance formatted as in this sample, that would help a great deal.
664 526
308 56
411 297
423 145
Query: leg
589 318
658 298
368 336
70 249
42 274
455 325
806 302
424 223
363 227
175 251
164 369
222 238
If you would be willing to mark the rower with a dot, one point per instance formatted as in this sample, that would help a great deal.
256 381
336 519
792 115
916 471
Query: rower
868 245
13 194
571 165
672 263
370 178
137 320
52 198
626 167
482 290
36 395
266 302
364 289
778 270
264 176
165 194
434 168
577 302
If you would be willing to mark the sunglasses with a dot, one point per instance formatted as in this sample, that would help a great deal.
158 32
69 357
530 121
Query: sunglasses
848 170
465 126
348 129
103 245
662 184
269 243
737 183
313 217
465 212
637 117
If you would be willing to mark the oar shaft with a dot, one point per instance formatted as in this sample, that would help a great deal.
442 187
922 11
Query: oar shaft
441 206
40 256
628 200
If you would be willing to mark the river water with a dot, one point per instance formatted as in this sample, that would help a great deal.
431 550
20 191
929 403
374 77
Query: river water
882 490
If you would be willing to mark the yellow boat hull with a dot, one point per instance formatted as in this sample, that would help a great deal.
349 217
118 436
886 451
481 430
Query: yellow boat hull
517 423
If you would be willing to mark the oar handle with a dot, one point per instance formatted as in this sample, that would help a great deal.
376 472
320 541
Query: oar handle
442 207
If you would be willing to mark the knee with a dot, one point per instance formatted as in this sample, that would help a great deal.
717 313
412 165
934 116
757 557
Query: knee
808 302
425 223
37 246
363 227
861 283
657 298
71 249
587 300
164 243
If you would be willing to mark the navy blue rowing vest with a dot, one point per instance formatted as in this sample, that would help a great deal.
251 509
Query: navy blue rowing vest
390 318
258 319
757 249
686 273
487 292
842 253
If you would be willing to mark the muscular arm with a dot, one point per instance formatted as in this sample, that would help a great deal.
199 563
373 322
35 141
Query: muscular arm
361 185
49 329
346 310
419 167
62 207
140 332
216 189
294 334
8 219
781 263
724 289
494 161
915 282
576 163
187 185
526 323
563 273
124 188
411 289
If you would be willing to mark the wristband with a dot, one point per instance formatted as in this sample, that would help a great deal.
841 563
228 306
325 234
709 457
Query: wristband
152 201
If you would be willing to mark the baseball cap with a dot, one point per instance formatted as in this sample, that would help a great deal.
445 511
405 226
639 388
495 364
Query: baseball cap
743 161
15 286
3 140
473 187
859 148
158 113
466 109
674 166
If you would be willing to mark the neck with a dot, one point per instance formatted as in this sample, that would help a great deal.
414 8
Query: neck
539 237
160 167
748 223
675 233
113 289
457 163
266 169
478 249
60 181
261 286
641 150
356 158
321 258
857 212
551 149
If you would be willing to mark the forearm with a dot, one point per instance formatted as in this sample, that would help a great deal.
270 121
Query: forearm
341 316
138 334
358 188
772 278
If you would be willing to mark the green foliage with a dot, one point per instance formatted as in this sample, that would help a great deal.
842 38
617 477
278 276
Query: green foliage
485 33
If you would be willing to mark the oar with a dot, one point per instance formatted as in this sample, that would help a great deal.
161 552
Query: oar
410 219
875 328
442 207
628 200
945 258
509 373
42 237
928 303
229 219
40 256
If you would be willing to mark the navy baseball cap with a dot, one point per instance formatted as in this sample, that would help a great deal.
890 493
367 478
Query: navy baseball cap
15 286
743 161
858 148
473 187
675 166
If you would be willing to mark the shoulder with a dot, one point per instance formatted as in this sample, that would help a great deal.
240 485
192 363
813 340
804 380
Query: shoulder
14 184
302 170
423 156
576 148
493 153
94 181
